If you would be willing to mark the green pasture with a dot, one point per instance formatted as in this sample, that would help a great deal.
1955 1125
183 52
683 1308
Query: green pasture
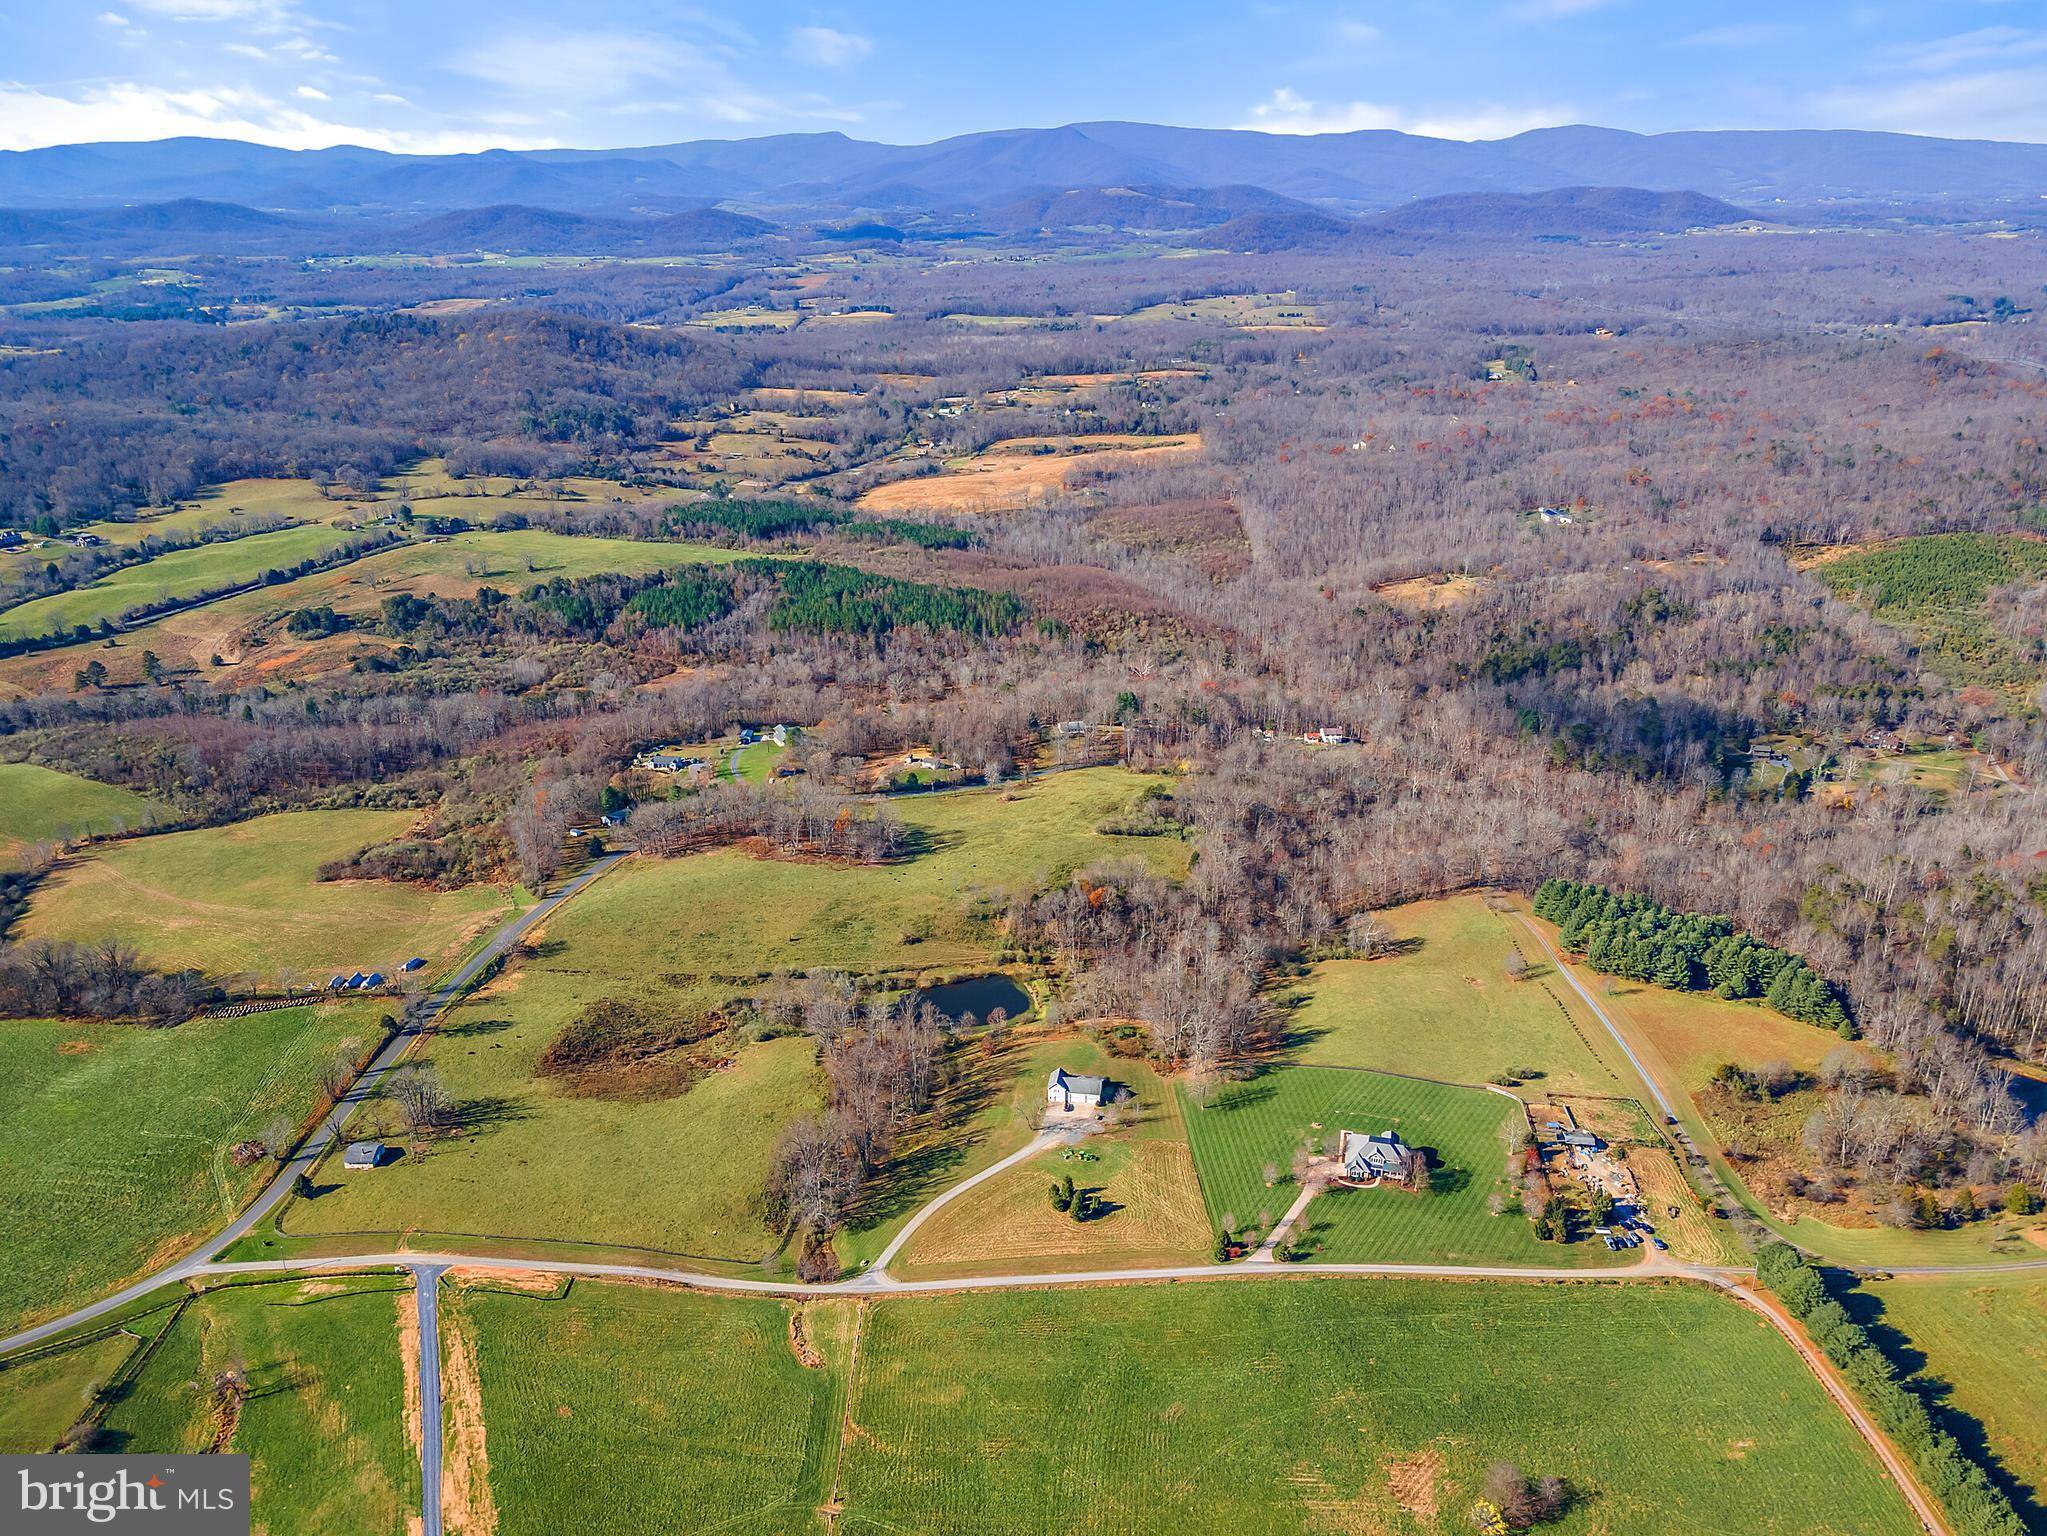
246 900
115 1138
1444 1005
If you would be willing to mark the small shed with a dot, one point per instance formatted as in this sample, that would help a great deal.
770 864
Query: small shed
363 1154
413 964
374 979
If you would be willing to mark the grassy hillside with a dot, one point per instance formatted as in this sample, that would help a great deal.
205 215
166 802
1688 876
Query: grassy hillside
182 573
1443 1005
246 899
324 1419
679 1174
38 804
114 1139
1983 1343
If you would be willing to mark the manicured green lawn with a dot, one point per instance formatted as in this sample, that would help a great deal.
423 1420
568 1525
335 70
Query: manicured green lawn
1282 1405
246 899
182 573
680 1175
1985 1337
1247 1127
323 1422
38 804
1443 1006
114 1139
754 763
702 1398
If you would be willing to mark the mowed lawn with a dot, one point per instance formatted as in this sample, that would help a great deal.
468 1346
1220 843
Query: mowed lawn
1985 1338
1286 1405
246 900
1140 1170
680 1175
181 573
1246 1128
114 1139
703 1398
1442 1006
324 1422
39 804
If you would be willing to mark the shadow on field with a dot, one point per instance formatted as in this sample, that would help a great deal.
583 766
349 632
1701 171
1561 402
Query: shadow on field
474 1027
1867 1309
487 1113
938 1142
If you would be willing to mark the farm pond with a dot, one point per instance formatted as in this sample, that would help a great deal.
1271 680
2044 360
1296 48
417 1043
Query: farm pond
979 996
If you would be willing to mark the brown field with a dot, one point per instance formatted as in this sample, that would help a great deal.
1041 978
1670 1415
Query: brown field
792 398
1009 1224
1427 594
1021 470
1693 1235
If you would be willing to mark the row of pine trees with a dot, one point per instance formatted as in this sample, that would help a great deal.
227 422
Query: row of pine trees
1643 940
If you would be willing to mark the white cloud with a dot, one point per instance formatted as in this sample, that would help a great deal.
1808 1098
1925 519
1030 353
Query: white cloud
829 48
621 74
113 19
32 117
272 12
1357 34
1979 104
1749 35
311 93
1287 111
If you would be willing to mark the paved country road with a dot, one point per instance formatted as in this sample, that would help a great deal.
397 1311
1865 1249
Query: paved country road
426 1285
328 1131
427 1267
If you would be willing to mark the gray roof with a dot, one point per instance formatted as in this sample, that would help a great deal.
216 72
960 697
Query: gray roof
364 1152
1061 1078
1383 1151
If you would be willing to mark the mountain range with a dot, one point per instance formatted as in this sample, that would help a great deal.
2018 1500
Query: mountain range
1019 176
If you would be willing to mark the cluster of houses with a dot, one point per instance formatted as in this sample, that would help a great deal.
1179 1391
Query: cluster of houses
667 762
369 981
1322 735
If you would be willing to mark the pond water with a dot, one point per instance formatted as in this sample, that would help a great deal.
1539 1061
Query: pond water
978 995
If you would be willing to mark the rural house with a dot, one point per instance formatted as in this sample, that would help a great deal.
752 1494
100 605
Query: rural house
1065 1091
1372 1157
363 1154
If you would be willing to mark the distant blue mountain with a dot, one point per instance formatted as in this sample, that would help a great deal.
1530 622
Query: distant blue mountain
1349 173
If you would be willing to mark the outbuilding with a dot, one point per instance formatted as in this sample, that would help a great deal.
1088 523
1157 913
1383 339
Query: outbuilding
364 1154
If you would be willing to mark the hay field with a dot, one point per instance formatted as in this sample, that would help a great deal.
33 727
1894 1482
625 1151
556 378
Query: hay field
1018 471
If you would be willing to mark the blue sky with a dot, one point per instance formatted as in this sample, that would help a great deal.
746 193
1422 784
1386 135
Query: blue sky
445 75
